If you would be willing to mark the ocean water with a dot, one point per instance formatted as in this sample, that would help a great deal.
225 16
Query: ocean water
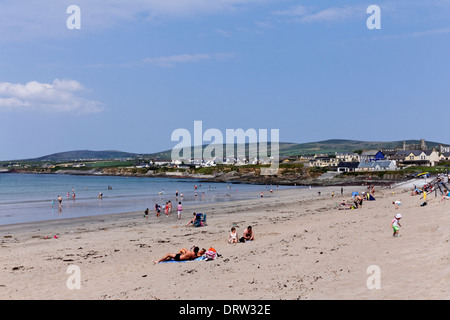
29 197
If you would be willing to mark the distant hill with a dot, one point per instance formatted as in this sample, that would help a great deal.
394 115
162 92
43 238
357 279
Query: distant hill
285 149
341 145
83 155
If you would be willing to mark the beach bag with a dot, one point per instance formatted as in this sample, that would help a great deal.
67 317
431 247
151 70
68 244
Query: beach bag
211 254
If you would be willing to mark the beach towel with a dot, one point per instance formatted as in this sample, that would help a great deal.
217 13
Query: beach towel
202 258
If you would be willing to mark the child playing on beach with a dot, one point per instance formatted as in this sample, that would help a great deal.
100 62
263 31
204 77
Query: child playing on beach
233 238
397 204
395 224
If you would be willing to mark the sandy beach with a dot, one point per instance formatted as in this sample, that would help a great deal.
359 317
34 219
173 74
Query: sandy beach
305 247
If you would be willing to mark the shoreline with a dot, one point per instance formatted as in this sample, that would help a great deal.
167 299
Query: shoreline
244 178
108 218
305 248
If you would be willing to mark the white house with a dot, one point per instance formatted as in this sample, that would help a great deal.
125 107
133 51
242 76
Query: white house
347 157
388 165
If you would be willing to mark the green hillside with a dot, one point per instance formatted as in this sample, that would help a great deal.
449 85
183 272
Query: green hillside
326 146
83 155
285 149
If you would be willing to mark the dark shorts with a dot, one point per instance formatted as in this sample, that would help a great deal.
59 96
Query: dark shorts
177 257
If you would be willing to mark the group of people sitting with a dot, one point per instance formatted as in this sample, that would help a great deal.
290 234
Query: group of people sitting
246 236
357 203
198 220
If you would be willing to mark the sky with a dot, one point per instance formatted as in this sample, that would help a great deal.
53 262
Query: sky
125 74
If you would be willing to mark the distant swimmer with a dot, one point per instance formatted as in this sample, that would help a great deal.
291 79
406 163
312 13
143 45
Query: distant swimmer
60 200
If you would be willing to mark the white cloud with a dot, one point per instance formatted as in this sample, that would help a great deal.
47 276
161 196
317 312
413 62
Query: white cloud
334 14
309 14
431 32
170 61
294 11
60 96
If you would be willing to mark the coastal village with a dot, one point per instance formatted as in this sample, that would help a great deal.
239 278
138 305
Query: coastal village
380 160
408 155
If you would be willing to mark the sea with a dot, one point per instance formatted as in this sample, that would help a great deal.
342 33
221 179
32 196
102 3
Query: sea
33 197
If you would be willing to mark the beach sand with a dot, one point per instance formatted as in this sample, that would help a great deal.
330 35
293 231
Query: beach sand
305 248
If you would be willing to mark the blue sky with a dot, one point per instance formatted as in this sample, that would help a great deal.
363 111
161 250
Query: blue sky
137 70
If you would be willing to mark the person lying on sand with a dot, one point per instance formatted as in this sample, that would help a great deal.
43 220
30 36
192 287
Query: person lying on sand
199 253
188 255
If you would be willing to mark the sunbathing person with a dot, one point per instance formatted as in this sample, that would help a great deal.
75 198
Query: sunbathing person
199 253
188 255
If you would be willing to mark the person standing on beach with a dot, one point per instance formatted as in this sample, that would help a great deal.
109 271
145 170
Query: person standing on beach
157 210
146 213
166 209
60 201
179 209
170 207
